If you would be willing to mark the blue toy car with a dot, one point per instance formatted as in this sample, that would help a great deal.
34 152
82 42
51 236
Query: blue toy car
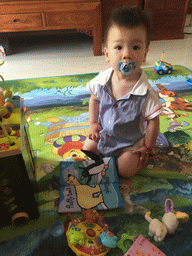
162 67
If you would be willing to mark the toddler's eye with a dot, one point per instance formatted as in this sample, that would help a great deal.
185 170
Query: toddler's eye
136 47
119 47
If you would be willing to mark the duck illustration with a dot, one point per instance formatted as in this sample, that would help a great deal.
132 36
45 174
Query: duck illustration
96 168
87 196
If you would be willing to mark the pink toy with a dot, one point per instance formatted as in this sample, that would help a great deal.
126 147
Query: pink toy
143 247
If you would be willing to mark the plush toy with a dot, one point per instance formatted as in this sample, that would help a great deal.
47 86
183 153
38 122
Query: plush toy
169 224
156 228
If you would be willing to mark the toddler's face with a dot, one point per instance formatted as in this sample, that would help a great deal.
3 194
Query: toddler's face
126 45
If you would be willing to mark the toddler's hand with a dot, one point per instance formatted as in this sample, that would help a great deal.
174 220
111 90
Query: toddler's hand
144 156
94 133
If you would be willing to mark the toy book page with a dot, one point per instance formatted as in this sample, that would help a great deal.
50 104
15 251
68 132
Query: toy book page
83 187
143 247
90 172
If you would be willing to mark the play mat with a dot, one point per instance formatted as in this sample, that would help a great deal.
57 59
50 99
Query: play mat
56 110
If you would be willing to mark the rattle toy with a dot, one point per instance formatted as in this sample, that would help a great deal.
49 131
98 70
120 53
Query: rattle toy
169 224
126 68
90 235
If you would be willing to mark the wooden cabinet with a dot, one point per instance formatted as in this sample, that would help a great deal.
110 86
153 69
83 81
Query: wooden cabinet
29 15
168 18
109 5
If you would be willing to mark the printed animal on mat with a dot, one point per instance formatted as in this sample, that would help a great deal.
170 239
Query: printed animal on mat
87 197
173 102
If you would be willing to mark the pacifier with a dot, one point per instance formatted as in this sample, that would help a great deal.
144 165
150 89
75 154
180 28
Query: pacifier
126 68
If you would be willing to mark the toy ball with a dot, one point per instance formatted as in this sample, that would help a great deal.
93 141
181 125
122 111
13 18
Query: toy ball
126 68
57 229
9 104
9 109
7 115
3 111
7 94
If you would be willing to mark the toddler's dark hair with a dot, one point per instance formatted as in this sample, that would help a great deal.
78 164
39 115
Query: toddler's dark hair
129 17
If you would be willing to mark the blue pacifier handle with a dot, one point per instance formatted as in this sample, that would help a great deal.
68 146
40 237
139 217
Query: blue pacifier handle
126 68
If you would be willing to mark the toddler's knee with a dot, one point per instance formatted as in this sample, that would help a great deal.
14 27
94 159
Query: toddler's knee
90 145
127 171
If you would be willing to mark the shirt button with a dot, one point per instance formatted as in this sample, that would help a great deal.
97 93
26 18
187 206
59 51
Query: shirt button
115 105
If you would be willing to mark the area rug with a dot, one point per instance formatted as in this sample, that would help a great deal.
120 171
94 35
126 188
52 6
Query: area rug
56 110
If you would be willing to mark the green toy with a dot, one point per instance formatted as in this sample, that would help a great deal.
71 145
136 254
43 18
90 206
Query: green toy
120 243
76 236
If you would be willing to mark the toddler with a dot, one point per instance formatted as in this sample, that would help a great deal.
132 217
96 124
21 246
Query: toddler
122 99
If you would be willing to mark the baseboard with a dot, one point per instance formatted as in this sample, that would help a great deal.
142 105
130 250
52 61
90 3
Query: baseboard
188 30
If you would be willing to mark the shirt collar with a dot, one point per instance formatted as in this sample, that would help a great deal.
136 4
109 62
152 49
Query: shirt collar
140 87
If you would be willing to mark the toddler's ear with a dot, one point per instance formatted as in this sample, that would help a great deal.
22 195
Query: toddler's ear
106 54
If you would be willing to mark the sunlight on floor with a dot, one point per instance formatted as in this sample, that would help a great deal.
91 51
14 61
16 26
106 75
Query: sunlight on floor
71 53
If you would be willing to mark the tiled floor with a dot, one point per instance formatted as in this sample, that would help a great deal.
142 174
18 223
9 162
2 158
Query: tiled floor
71 53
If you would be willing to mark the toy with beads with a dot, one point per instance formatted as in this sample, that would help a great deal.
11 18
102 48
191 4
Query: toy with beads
6 107
6 101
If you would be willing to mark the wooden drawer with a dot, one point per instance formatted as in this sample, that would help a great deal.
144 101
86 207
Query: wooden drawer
170 6
165 20
11 22
122 2
70 19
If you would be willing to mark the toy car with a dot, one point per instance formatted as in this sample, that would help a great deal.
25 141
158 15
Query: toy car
162 67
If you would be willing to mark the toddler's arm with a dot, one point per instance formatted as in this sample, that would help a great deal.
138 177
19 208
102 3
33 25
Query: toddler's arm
152 132
93 118
150 140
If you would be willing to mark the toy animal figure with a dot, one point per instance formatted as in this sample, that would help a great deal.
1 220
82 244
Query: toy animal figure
169 224
156 228
76 236
91 216
108 239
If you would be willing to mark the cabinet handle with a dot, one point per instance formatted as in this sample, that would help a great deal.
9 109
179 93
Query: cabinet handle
16 20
